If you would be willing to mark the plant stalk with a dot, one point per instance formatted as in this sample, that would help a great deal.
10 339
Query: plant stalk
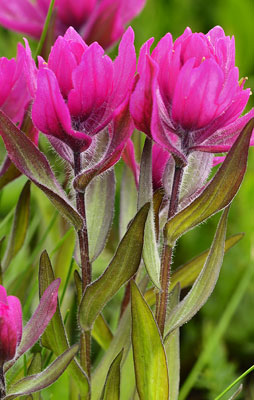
86 274
166 258
2 383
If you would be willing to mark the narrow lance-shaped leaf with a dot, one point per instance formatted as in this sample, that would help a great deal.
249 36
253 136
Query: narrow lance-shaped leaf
33 163
120 340
205 282
122 267
150 251
101 331
218 193
39 321
45 378
35 368
148 351
55 337
111 390
172 348
188 273
100 199
20 225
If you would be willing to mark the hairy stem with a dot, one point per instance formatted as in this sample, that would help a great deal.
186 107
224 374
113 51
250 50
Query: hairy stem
166 258
86 274
2 383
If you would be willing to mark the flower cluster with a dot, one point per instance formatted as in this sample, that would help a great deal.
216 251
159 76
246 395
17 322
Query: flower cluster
102 21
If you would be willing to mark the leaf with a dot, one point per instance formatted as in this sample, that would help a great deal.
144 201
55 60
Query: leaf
45 378
148 351
205 282
34 368
188 273
172 348
237 392
33 163
8 173
101 331
218 193
55 337
100 199
111 390
20 225
150 251
128 200
38 322
122 267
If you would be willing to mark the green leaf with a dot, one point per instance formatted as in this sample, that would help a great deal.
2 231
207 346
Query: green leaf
100 199
148 351
33 163
111 390
150 251
9 175
188 273
218 193
172 348
122 267
35 368
45 378
101 331
54 337
19 226
205 282
128 200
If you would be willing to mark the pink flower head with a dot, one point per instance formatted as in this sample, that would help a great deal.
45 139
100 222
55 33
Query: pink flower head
17 82
96 20
188 96
80 88
10 325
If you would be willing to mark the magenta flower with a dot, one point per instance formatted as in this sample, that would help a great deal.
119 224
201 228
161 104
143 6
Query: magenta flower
10 325
96 20
17 82
188 96
81 88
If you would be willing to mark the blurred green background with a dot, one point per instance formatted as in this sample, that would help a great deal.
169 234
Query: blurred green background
234 352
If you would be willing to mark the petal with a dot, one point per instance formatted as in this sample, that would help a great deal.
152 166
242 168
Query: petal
76 43
197 89
62 62
16 312
159 160
7 77
74 13
3 295
106 24
124 68
8 335
141 98
88 101
22 16
50 114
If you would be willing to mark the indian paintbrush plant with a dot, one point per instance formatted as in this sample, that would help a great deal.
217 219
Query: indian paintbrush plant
186 97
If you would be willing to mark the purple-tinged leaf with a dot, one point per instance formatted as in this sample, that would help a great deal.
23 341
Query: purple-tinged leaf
8 173
33 163
38 322
19 227
218 193
33 383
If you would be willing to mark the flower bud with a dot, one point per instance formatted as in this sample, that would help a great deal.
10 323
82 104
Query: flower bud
10 325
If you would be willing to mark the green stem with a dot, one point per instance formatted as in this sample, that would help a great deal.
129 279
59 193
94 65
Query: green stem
86 277
217 334
162 297
45 30
2 384
235 382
